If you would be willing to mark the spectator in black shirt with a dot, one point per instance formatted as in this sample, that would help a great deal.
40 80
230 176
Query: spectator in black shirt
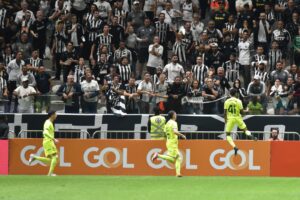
43 87
68 60
117 31
209 93
175 93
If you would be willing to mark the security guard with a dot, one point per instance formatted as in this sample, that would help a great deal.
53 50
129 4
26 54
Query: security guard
156 126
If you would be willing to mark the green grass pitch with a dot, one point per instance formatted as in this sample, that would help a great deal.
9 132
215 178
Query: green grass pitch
147 188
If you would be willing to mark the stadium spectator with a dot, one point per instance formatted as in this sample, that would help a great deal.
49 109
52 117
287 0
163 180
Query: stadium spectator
155 51
232 69
277 91
43 89
200 70
131 96
175 94
296 46
194 92
90 90
14 68
124 70
25 94
160 92
145 90
70 93
280 73
210 94
274 55
173 69
68 60
241 92
146 33
274 136
254 107
29 75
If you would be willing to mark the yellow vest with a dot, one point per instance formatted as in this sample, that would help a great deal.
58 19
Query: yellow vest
157 127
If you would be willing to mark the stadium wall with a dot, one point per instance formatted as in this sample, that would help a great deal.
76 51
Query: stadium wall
132 157
137 123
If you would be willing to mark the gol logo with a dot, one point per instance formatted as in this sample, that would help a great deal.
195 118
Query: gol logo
30 148
94 157
184 156
228 161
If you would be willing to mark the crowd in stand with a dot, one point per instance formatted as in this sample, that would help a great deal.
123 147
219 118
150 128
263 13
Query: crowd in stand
133 55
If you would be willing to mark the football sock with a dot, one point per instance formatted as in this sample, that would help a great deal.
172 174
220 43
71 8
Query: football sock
44 160
53 164
178 166
166 157
230 140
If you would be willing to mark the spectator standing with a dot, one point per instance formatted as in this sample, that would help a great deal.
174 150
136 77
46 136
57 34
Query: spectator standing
68 60
43 88
173 69
70 93
145 90
175 93
25 94
90 89
155 56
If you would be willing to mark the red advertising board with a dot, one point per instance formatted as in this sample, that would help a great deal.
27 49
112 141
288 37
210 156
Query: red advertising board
133 157
285 159
3 157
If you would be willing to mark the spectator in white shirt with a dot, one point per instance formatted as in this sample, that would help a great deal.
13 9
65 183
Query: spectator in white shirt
21 14
173 69
25 94
155 56
145 89
90 89
244 48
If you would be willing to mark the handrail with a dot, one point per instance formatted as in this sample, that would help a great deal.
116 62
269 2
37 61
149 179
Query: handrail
103 133
83 134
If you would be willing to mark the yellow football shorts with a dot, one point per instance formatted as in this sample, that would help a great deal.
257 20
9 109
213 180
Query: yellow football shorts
234 121
49 148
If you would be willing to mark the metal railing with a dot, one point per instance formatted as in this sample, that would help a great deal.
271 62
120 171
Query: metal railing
198 135
58 134
121 134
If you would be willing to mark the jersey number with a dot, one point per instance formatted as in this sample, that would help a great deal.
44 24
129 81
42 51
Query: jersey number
232 109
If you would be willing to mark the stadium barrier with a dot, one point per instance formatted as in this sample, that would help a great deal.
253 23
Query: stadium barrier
197 135
139 123
4 157
133 157
59 134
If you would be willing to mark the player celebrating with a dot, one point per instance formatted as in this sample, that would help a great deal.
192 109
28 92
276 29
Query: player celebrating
233 109
171 131
48 144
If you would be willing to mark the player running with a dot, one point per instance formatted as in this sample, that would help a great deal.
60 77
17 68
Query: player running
48 144
171 130
233 109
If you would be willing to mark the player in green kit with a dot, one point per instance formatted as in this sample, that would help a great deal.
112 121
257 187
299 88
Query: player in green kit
171 131
233 108
48 144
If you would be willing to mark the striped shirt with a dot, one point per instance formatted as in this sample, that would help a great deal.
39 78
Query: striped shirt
263 75
34 62
257 58
106 40
124 71
179 50
94 27
79 73
7 58
60 42
161 31
3 13
200 72
232 70
274 56
121 14
119 53
230 27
